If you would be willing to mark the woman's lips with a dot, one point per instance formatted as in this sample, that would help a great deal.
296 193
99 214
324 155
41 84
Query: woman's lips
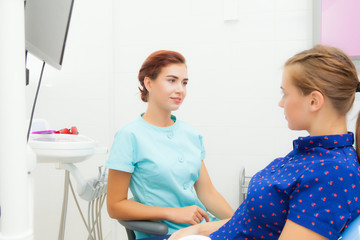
176 99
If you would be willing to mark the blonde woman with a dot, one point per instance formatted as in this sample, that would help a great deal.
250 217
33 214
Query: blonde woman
312 193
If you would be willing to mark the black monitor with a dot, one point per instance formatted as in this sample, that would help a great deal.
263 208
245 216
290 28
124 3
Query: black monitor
46 27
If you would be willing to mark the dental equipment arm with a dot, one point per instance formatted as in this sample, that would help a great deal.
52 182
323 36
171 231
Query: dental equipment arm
87 190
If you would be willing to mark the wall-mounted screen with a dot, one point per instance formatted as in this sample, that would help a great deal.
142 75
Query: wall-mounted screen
337 23
46 27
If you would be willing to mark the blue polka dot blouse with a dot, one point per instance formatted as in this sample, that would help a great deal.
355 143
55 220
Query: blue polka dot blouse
317 185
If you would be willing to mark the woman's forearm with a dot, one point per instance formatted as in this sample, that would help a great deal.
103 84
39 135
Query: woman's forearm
206 229
131 210
216 204
210 197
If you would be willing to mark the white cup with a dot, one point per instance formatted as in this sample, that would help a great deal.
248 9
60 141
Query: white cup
195 237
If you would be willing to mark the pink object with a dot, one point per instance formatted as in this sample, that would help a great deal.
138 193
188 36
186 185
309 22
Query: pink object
340 25
73 130
44 132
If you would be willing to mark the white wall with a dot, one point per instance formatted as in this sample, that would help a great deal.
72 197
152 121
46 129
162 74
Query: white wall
234 70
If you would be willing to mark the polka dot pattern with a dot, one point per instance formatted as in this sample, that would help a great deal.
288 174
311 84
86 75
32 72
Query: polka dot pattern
317 185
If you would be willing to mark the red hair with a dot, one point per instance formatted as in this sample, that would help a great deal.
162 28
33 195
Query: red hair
153 65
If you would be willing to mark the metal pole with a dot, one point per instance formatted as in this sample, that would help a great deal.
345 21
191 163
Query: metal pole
14 195
64 206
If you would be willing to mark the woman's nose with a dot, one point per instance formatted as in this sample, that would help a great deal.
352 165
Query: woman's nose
281 104
180 87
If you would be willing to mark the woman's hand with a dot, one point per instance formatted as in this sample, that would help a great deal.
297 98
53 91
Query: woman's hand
188 215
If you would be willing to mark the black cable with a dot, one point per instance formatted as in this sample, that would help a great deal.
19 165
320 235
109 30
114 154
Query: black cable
27 74
34 104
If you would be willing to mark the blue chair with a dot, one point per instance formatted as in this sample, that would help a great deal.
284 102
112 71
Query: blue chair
148 227
352 232
143 226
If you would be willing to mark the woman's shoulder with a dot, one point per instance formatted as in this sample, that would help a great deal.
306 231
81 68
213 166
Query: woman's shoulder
129 128
187 127
344 157
336 167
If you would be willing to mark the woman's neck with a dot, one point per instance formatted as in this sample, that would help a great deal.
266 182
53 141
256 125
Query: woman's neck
158 117
328 125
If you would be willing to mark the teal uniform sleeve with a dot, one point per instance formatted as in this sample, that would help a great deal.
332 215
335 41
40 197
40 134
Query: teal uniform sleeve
202 147
122 152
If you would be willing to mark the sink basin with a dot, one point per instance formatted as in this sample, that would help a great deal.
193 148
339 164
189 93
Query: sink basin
64 148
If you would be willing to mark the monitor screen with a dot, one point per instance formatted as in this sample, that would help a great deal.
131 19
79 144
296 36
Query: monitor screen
337 23
46 27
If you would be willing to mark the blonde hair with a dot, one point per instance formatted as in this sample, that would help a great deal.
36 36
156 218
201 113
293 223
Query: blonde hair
330 71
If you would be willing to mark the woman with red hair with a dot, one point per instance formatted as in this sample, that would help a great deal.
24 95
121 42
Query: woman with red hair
160 157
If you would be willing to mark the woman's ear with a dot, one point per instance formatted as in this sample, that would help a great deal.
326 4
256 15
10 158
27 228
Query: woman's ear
147 83
316 101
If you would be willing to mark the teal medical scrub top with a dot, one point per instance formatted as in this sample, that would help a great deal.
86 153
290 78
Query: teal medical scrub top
164 162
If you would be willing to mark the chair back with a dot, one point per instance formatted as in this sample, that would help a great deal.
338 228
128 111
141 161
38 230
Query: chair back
130 233
147 227
352 232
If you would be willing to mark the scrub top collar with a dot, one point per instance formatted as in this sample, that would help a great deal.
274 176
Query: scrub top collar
164 129
327 141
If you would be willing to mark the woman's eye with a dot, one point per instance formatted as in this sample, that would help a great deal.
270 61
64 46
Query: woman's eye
171 80
185 83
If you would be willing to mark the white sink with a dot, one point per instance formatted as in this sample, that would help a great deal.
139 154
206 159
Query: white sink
64 148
